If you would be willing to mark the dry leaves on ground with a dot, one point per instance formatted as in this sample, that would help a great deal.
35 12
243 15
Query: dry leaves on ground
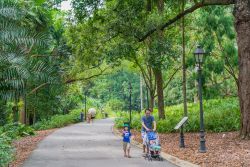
223 149
26 145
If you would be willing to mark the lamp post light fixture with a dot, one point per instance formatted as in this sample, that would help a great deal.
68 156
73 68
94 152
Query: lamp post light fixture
199 54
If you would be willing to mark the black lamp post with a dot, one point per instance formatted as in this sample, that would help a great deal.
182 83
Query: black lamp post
85 111
130 102
198 54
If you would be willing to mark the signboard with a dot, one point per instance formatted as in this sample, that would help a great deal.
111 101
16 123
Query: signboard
182 122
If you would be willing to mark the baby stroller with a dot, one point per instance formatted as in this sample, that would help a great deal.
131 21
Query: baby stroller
154 146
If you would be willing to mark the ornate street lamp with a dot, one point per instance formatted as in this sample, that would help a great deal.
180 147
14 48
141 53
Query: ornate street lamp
198 54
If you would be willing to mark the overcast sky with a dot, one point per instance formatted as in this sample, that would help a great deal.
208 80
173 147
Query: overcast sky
66 5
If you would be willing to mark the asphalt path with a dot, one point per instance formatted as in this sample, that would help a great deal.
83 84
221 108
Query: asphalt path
83 145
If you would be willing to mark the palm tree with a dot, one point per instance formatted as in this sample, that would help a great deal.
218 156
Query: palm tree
23 36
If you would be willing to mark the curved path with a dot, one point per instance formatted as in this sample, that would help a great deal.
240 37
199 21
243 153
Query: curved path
86 145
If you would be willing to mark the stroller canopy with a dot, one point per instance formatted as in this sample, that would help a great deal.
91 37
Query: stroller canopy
152 136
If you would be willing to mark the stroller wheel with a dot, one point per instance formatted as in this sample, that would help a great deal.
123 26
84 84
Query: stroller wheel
150 158
146 156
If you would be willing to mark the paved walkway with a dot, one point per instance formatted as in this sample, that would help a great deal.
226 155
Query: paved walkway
86 145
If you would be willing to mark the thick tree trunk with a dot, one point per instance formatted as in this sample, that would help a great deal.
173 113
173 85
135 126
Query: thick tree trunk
159 86
158 72
242 26
152 99
184 87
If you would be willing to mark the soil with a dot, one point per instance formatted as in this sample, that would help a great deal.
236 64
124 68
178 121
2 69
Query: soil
223 149
26 145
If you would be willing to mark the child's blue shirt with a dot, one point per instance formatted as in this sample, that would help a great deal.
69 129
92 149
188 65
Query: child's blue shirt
126 136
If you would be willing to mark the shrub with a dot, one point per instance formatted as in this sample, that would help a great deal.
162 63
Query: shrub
6 151
16 130
8 133
219 115
58 121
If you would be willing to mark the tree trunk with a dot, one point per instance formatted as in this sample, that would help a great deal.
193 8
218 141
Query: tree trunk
15 111
158 72
149 5
22 112
159 86
160 5
141 91
184 87
242 26
151 100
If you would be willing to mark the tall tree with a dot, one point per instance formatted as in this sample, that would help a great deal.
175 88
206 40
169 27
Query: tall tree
242 24
184 87
158 71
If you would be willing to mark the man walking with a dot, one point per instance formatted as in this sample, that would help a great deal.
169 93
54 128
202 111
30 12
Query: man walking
148 124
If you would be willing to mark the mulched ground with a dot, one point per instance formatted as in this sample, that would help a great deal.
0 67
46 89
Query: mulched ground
223 149
26 145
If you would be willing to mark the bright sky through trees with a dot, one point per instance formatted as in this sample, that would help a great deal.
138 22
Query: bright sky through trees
66 5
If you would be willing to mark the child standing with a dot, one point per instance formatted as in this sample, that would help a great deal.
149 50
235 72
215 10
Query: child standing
126 141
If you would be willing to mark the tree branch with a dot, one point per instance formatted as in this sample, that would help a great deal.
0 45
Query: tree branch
197 5
39 87
69 81
145 76
172 76
230 69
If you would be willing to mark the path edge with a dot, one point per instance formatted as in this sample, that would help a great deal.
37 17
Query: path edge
174 160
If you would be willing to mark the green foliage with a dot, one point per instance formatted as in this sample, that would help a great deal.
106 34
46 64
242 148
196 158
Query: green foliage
16 130
6 151
112 90
17 40
220 115
83 9
114 105
58 121
8 133
5 112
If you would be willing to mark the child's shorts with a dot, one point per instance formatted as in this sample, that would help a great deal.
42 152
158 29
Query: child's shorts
126 145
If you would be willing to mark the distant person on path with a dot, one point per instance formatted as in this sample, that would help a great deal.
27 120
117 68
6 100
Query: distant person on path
148 124
126 134
91 115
